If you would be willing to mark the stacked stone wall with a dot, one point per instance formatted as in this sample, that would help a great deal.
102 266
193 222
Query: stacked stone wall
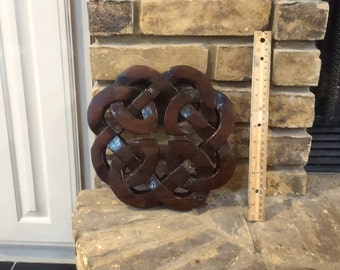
216 37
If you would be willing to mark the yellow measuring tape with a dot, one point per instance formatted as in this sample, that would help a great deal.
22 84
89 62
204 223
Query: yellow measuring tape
259 125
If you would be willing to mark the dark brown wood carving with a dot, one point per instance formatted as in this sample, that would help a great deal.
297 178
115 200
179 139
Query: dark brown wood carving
162 138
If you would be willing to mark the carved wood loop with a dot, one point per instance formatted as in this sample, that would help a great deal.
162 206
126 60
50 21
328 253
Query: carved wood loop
162 138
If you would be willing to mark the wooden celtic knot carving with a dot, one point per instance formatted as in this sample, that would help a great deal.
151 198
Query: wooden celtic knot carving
162 138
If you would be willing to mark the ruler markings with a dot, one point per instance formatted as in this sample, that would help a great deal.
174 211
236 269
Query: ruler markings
259 125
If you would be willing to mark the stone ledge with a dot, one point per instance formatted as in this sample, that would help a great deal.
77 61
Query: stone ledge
121 237
299 232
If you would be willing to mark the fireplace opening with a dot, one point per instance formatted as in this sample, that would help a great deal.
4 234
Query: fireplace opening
325 149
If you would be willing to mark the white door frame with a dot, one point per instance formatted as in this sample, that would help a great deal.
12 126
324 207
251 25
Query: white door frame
37 171
81 44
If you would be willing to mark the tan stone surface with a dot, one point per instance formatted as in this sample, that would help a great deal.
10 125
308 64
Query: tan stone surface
281 180
232 62
286 147
309 228
300 232
88 198
300 20
286 180
322 238
110 17
240 97
296 67
80 264
122 237
215 17
291 110
273 237
107 62
288 107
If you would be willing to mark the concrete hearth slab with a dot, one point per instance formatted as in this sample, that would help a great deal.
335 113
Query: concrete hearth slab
299 233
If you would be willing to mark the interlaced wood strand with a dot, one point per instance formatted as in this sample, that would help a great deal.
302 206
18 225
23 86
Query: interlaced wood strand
162 138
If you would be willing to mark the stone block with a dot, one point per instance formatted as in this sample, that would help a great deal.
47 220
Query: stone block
110 17
240 97
291 109
107 62
296 66
281 180
286 147
215 17
287 108
286 180
232 62
300 19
